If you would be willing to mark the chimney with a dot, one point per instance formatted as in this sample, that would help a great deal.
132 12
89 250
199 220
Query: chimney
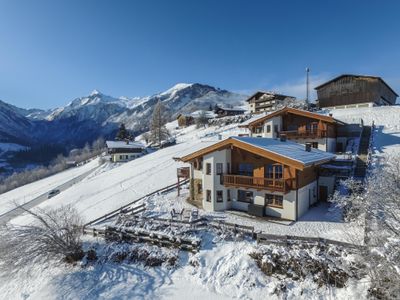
127 141
282 137
330 115
219 137
308 147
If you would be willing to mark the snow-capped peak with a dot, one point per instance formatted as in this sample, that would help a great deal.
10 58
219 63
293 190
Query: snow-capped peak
95 93
177 87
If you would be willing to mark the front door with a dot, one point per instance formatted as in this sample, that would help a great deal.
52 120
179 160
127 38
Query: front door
323 193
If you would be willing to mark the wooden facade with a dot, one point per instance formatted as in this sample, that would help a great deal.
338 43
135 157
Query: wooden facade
266 101
298 126
352 90
293 174
298 123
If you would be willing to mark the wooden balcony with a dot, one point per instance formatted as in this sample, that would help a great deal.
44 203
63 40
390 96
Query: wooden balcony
260 183
310 134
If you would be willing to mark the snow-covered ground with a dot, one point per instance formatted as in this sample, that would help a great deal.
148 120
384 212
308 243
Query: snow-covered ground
32 190
225 269
386 120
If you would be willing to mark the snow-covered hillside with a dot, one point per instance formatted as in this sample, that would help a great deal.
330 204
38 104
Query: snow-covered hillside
386 120
222 269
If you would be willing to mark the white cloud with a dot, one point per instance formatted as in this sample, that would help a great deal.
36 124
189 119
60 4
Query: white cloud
297 87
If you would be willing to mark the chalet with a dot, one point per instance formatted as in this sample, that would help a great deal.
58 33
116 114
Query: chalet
298 125
226 111
185 120
261 176
266 101
351 91
122 151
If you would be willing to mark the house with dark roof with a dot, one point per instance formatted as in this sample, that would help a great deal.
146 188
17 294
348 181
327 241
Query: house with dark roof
122 151
227 111
261 176
352 91
297 125
261 101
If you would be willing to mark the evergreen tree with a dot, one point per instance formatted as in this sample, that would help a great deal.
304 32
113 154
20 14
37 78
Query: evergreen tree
159 132
122 134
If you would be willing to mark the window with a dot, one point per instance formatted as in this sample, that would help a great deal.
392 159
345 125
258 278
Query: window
126 156
278 171
269 171
219 168
208 169
314 145
228 193
220 197
246 169
208 196
268 128
245 196
273 171
228 168
120 157
314 127
199 188
274 200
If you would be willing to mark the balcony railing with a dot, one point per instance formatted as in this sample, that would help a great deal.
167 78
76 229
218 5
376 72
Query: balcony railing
280 185
316 133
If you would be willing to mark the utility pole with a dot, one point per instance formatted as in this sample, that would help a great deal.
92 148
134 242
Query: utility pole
307 85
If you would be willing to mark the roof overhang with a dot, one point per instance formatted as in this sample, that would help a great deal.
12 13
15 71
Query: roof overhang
231 142
294 111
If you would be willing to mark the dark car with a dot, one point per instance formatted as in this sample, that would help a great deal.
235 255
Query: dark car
52 193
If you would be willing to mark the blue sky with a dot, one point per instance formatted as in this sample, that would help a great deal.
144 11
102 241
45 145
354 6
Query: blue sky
54 51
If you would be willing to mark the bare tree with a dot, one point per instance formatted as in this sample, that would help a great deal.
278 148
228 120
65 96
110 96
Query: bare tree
376 202
98 145
54 233
159 132
146 137
201 119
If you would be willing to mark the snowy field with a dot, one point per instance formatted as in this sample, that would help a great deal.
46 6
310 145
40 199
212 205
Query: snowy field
224 270
386 120
32 190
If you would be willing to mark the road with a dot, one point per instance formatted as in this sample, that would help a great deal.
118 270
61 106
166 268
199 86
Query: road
6 217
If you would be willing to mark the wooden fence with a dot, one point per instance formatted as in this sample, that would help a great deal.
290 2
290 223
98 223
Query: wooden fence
111 233
286 240
126 207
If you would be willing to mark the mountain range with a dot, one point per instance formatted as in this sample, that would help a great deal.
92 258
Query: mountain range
86 118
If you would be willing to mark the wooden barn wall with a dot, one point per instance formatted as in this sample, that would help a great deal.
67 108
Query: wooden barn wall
353 90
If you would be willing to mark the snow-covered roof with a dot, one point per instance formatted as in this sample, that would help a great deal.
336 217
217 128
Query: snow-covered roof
124 145
232 108
288 149
197 113
254 118
291 110
286 152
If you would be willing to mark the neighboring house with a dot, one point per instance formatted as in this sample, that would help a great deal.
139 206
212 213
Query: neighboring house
267 101
185 120
261 176
122 151
298 125
208 114
226 112
351 91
